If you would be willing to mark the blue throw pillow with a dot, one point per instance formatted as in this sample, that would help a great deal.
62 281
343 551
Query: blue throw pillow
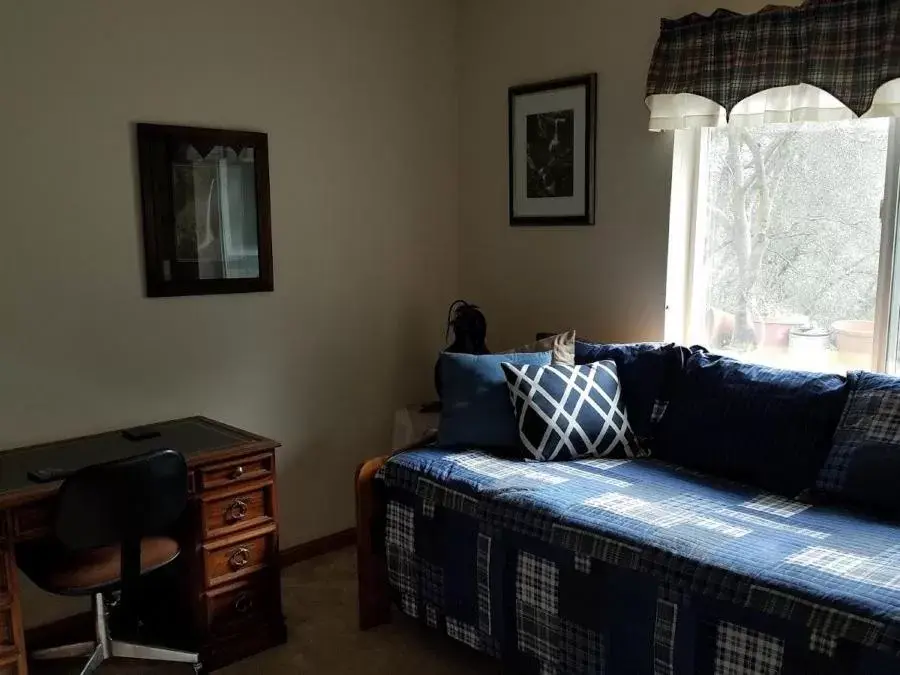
570 412
647 370
863 467
763 426
475 407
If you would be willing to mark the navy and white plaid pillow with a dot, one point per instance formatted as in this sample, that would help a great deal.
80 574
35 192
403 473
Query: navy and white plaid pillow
863 466
569 412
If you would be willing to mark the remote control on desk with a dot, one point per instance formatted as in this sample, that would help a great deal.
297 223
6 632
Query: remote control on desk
50 475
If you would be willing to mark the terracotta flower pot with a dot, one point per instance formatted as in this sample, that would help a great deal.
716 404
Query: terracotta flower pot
854 337
775 332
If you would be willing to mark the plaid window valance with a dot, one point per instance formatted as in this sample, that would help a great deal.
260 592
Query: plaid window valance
828 53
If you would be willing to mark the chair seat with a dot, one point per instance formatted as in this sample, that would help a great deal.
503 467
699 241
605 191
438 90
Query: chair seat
86 572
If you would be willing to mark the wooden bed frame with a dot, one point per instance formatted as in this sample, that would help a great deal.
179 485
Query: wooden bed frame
371 567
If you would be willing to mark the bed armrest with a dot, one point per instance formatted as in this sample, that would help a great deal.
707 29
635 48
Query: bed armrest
371 566
374 598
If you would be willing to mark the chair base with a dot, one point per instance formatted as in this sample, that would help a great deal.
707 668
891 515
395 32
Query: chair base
106 648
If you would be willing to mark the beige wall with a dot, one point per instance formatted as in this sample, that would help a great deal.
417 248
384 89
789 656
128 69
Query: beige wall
363 102
359 101
606 281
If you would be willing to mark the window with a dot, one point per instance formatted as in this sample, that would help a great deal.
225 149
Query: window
781 247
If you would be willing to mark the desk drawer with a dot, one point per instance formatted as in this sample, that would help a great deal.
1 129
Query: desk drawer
223 474
9 657
7 638
228 511
228 559
237 607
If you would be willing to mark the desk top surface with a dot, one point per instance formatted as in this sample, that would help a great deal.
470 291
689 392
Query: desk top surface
199 439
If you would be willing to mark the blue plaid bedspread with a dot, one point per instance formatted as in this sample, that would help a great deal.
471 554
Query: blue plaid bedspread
629 567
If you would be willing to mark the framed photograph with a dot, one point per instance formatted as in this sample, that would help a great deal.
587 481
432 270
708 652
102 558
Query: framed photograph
205 202
552 127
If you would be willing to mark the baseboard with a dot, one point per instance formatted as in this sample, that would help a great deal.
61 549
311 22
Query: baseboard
317 547
81 626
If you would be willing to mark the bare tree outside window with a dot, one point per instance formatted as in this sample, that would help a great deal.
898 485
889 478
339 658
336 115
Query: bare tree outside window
792 227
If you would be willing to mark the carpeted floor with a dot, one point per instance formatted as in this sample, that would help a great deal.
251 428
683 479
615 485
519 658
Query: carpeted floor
320 604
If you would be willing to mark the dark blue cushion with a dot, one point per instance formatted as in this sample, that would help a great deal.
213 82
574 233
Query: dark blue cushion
764 426
590 352
646 370
570 412
475 407
863 466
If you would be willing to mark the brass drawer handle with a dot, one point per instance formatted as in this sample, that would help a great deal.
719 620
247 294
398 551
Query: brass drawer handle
239 558
237 473
243 603
237 510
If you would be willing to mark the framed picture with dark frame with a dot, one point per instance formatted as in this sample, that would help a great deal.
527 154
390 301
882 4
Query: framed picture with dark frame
205 203
552 131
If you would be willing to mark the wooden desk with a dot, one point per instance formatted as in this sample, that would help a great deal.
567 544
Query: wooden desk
223 597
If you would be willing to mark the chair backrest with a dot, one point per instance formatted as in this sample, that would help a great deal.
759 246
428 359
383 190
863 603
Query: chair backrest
121 501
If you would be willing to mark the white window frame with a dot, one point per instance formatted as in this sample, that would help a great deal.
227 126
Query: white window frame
686 242
887 303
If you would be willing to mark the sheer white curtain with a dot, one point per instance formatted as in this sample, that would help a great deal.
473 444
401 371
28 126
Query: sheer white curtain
799 103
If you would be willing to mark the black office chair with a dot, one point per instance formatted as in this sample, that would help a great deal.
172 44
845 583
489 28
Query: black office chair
109 529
